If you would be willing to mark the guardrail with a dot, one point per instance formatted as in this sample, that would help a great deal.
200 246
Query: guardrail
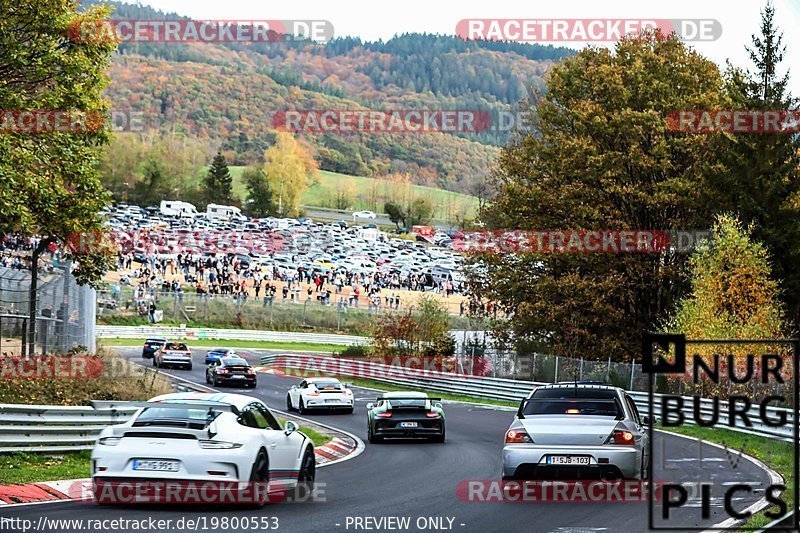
515 390
177 333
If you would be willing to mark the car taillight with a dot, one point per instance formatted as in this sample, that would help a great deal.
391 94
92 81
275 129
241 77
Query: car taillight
251 371
313 394
621 438
223 371
517 436
430 414
348 392
385 414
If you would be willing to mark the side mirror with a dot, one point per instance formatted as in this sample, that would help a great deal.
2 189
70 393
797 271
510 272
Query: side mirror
289 428
646 420
370 406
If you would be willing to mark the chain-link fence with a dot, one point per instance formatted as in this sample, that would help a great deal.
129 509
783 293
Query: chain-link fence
124 305
65 311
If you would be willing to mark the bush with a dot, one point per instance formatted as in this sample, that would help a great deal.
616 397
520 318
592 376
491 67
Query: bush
115 379
355 351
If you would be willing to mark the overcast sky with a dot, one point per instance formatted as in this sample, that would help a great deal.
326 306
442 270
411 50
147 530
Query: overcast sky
373 20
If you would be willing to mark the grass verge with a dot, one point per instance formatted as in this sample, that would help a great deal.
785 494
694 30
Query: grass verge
21 468
223 343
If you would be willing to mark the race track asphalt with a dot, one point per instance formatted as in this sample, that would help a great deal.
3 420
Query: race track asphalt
419 480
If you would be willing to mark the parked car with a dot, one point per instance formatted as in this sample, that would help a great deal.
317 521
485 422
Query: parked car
364 214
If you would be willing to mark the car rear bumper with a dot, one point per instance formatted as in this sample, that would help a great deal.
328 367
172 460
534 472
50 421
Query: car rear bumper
528 460
181 361
429 429
228 380
329 403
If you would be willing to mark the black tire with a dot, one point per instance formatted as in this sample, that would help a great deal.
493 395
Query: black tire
439 438
207 379
301 408
371 437
189 367
307 475
259 474
289 403
348 411
214 381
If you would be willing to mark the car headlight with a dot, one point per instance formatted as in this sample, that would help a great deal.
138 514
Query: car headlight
219 445
109 441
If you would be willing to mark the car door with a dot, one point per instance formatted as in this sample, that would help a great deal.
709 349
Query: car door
296 391
640 427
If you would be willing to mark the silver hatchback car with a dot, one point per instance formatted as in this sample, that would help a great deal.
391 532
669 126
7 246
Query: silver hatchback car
577 430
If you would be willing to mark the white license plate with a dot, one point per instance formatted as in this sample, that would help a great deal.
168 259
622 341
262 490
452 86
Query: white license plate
331 401
408 424
158 466
568 460
237 377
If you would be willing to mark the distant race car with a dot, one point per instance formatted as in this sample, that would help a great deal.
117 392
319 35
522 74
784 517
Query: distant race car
580 429
364 214
405 415
231 370
151 346
202 438
173 354
215 354
319 393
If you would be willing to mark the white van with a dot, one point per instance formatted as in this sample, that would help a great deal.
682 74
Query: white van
176 208
223 211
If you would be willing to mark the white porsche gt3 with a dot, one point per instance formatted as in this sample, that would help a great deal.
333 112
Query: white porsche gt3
221 448
319 393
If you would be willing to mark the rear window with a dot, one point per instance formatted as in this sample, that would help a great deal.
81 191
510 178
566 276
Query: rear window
234 361
177 416
155 342
420 403
176 346
573 401
327 384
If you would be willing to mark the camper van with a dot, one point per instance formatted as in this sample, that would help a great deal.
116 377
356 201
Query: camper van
223 211
175 208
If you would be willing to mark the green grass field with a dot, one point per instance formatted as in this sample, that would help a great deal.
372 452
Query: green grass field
366 193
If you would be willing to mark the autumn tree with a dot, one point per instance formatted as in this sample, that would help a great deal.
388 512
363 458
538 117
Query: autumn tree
218 182
289 168
49 182
260 200
600 156
760 176
733 296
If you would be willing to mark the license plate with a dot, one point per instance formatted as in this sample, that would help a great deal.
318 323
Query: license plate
331 401
568 460
159 466
408 424
238 377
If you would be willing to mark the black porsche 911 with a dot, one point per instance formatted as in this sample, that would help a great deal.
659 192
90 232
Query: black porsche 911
405 415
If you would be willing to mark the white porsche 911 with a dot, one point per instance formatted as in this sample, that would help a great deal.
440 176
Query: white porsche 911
319 393
222 448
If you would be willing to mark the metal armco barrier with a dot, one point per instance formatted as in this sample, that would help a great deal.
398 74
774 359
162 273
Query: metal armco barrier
139 332
56 428
515 390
